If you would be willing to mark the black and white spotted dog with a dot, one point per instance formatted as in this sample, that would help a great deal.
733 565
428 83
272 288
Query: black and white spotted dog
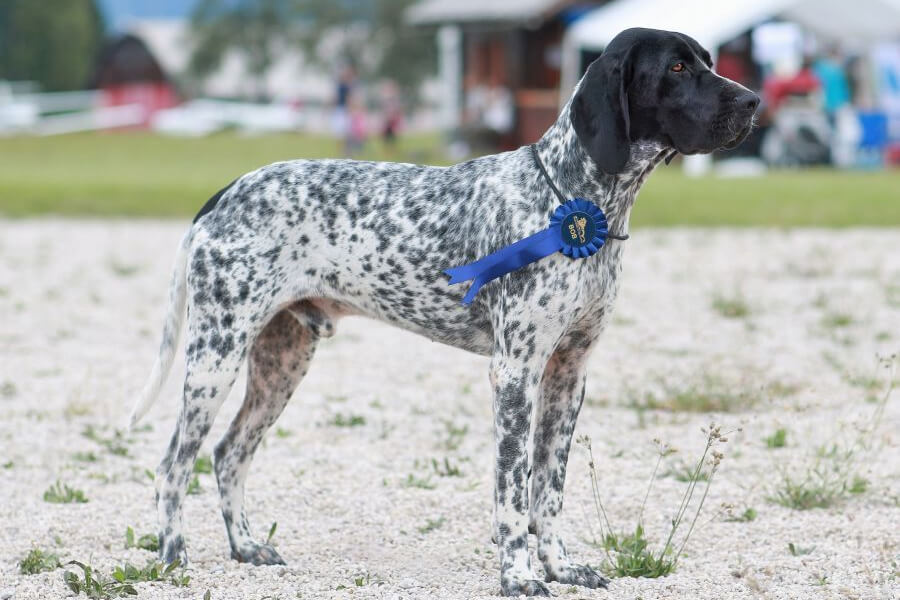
274 259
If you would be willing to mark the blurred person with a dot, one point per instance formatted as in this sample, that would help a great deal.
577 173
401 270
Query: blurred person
392 113
357 130
799 134
779 85
340 119
832 77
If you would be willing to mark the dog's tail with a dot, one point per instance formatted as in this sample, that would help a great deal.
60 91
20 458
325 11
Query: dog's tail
171 331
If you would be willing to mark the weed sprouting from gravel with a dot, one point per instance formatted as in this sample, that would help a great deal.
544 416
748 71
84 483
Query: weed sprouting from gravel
361 581
749 514
682 471
38 561
89 457
194 486
415 481
797 550
203 465
271 535
147 541
61 493
836 320
833 476
455 435
8 389
446 468
777 439
734 307
708 393
114 444
629 554
349 420
122 579
431 524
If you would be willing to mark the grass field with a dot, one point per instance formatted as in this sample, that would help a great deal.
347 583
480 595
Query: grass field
138 174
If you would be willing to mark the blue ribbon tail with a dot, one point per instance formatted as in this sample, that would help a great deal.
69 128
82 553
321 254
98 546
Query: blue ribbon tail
512 257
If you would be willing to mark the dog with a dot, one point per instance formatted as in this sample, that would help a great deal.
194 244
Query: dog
273 260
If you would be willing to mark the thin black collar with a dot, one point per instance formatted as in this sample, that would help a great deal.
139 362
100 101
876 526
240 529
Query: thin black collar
562 199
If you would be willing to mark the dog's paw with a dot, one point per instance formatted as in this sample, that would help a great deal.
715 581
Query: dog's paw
523 587
173 550
579 575
257 554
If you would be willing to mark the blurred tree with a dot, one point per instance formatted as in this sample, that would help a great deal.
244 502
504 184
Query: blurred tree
372 35
375 39
52 42
256 27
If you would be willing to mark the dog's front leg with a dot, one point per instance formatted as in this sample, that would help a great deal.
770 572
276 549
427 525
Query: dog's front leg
516 385
562 393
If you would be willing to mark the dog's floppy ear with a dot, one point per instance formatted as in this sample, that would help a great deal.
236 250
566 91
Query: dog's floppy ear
599 112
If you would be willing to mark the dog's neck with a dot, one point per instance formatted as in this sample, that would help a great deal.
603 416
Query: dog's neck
577 176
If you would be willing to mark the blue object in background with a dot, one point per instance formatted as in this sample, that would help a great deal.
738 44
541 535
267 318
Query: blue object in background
874 129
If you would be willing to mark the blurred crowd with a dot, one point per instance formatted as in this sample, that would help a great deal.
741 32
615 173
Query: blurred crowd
817 108
357 117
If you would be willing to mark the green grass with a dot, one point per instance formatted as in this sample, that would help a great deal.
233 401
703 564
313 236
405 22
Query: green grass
141 174
777 439
61 493
38 561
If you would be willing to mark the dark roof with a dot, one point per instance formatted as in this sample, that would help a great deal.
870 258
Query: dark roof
126 59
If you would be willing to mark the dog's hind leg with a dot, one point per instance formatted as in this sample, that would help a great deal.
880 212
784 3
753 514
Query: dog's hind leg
562 393
216 348
279 359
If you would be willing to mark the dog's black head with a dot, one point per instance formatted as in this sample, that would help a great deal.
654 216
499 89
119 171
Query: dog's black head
657 86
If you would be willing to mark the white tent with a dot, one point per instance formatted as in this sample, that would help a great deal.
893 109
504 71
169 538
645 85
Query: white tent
856 22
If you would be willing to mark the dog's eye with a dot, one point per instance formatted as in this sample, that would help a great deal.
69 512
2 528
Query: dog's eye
678 67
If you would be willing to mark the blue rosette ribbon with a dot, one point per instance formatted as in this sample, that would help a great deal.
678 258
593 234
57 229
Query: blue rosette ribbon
577 228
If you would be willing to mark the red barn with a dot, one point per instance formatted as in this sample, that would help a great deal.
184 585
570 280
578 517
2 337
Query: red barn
128 73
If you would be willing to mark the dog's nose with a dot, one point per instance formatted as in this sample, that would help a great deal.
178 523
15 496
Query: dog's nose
747 100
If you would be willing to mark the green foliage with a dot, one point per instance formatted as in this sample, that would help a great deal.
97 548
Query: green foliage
454 435
835 320
85 457
148 541
349 420
271 533
60 493
256 28
203 465
777 439
748 515
414 481
122 579
797 550
446 468
709 393
630 555
115 444
193 487
731 307
832 477
52 43
432 524
38 561
374 37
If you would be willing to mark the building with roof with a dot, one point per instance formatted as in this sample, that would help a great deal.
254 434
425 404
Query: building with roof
500 62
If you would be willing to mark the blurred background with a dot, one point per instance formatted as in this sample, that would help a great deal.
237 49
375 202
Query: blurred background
145 108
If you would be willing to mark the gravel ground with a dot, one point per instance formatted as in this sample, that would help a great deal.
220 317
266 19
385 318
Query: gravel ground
82 302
